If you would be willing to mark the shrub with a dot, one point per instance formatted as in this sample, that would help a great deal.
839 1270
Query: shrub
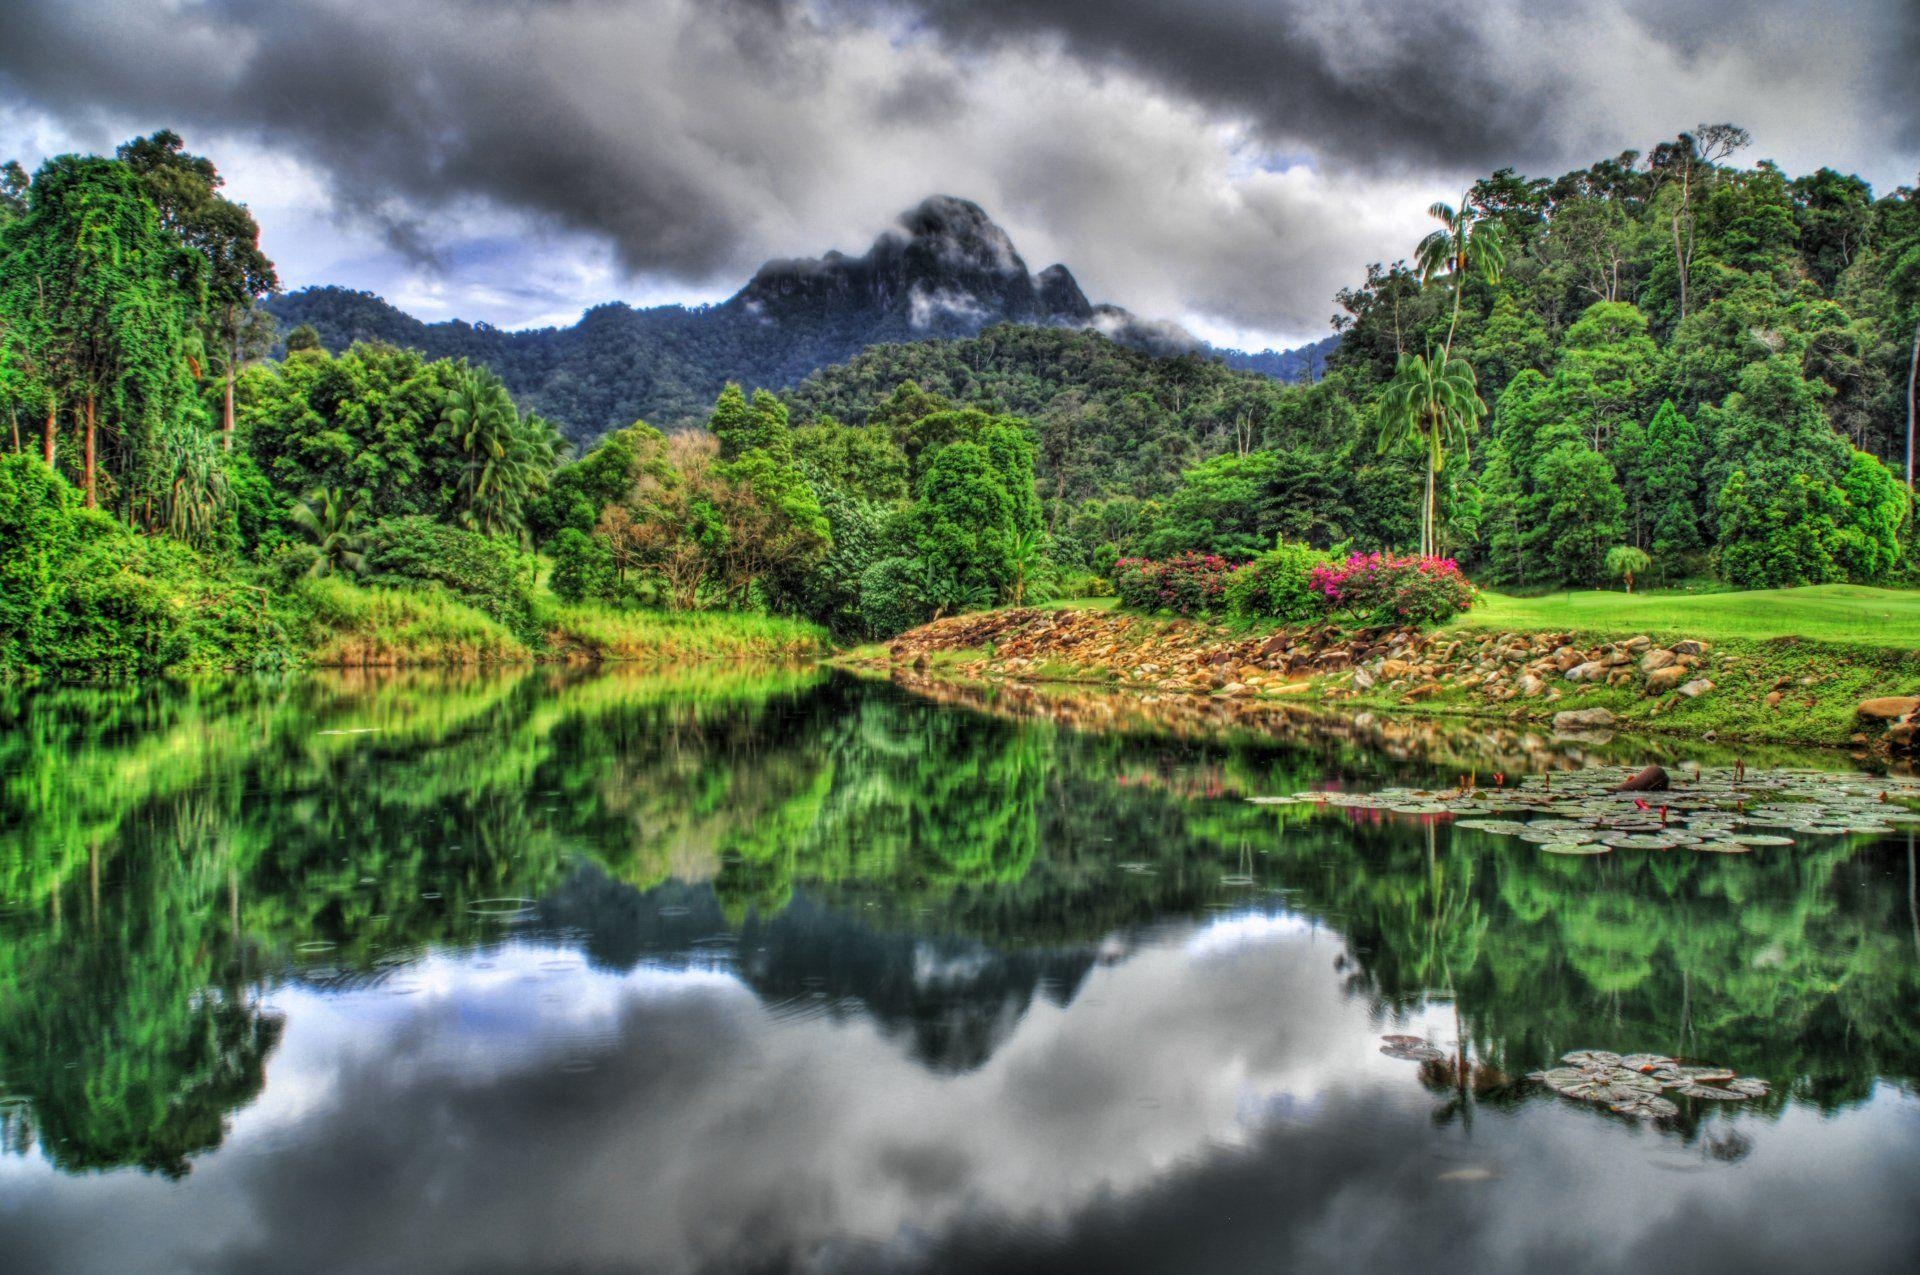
582 567
1278 585
490 573
1378 588
892 596
1189 584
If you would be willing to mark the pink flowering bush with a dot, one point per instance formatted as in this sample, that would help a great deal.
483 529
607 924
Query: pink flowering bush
1190 584
1378 588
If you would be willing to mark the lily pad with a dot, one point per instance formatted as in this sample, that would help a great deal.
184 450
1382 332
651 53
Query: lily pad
1412 1053
1576 847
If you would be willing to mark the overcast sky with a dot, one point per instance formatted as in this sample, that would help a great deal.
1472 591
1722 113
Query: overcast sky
1225 163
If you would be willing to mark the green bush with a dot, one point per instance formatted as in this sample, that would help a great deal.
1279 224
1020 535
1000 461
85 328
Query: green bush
490 573
582 567
892 599
1277 585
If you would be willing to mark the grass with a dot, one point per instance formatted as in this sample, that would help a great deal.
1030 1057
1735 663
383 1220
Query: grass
596 632
1846 614
347 626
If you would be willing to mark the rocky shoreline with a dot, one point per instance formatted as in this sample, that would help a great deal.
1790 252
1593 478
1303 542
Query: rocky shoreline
1783 691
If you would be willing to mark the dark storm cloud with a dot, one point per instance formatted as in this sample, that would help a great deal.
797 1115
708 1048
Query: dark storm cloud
1145 142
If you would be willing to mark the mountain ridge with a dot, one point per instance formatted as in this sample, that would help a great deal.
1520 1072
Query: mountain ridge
944 270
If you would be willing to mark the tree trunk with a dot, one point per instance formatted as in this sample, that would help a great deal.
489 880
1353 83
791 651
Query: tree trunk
93 497
226 419
1427 529
53 421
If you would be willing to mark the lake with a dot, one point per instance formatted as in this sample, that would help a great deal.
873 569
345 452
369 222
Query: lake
769 970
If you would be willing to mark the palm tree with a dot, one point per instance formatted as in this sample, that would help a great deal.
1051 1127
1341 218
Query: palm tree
1464 246
1435 400
331 520
506 455
1625 562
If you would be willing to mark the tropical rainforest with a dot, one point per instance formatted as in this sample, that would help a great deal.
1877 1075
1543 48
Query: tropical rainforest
1667 364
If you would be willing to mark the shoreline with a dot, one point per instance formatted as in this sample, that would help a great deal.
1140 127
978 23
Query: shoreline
1770 691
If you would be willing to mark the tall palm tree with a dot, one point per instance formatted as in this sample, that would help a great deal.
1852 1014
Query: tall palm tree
331 520
507 455
1433 400
1463 247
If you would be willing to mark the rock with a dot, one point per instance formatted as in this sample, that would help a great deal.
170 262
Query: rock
1654 661
1363 679
1640 643
1774 698
1660 681
1589 671
1583 719
1426 690
1233 688
1696 688
1690 647
1651 779
1887 708
1530 686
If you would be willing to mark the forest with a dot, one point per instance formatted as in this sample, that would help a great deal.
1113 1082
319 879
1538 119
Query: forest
1668 365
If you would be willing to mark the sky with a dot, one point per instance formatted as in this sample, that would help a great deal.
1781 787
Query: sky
1227 164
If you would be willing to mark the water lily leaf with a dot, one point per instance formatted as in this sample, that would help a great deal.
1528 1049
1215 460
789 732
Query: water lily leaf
1591 1058
1748 1087
1709 1093
1412 1053
1576 847
1647 1062
1653 1108
1404 1040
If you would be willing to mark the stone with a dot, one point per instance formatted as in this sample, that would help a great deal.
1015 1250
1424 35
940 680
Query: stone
1589 671
1651 779
1363 679
1530 686
1426 690
1774 698
1640 643
1660 681
1887 708
1233 688
1696 688
1583 719
1690 647
1654 661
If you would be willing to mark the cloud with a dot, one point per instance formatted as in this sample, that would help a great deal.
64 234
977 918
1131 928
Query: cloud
1222 162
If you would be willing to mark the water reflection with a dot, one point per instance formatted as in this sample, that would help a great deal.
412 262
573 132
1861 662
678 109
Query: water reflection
801 971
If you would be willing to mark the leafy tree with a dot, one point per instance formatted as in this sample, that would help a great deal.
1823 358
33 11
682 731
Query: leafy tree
504 457
103 304
236 273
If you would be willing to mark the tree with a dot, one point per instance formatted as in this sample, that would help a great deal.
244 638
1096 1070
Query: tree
236 273
1625 561
1464 247
1576 511
196 503
105 304
1686 160
1432 400
1670 484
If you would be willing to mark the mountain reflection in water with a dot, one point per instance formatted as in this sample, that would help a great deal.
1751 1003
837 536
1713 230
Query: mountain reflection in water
747 971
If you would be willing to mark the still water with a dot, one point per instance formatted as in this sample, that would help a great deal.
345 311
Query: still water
771 971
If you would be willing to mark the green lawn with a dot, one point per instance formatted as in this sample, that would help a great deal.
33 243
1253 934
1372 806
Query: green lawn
1827 612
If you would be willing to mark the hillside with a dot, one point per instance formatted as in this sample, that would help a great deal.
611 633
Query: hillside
945 271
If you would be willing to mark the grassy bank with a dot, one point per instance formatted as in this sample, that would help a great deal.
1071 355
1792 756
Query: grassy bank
1768 682
596 632
1848 614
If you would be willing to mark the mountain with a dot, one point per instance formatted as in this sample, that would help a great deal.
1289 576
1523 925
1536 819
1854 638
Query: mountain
946 269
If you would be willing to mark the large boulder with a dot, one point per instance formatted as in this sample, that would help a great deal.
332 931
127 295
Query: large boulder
1654 661
1584 719
1660 681
1888 708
